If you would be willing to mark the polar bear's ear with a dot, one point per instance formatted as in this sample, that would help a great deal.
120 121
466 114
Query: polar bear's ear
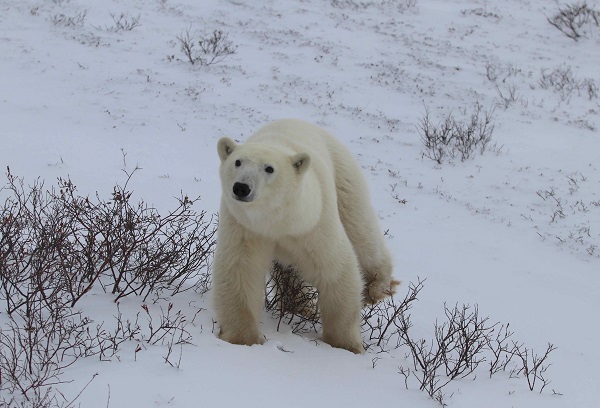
301 162
225 147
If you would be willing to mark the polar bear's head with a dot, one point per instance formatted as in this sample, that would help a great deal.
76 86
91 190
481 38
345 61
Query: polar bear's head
260 182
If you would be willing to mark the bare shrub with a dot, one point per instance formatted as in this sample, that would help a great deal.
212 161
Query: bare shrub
291 300
386 321
460 343
570 216
551 196
36 345
56 244
574 19
401 5
105 343
451 138
481 12
492 71
496 72
502 350
562 81
533 366
205 50
455 351
168 329
30 243
124 22
590 87
77 20
507 96
39 342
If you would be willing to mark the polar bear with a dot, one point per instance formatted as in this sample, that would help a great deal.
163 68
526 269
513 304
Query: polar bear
293 194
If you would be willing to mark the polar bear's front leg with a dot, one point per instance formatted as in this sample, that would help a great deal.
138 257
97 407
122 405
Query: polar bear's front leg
241 263
341 318
340 303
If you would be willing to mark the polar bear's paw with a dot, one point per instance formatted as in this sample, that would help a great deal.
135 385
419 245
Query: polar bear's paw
376 290
246 338
353 345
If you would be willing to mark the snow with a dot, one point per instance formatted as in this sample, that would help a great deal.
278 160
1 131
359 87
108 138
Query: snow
75 99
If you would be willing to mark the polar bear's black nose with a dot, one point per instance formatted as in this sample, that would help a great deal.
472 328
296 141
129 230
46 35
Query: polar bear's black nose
241 190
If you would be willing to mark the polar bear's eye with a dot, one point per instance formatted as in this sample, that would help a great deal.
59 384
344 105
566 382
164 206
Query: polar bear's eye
269 169
238 163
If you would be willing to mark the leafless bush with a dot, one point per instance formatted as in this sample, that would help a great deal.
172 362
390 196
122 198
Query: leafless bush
76 20
145 252
401 5
169 330
562 81
124 22
533 366
590 87
499 75
506 96
502 350
464 335
481 12
551 196
36 345
574 19
291 300
386 321
460 343
105 343
453 138
570 216
32 236
56 244
205 50
455 351
496 72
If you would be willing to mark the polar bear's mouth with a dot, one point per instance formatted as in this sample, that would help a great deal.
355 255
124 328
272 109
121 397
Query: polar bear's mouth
243 199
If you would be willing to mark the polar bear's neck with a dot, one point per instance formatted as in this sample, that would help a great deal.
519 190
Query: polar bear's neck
306 210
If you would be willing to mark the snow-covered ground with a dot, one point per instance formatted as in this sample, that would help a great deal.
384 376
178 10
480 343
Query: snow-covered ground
515 230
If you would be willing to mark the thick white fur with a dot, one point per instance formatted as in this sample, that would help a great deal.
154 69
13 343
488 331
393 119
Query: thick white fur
312 212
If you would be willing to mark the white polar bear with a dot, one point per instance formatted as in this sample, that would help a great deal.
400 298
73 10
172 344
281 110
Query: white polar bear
294 194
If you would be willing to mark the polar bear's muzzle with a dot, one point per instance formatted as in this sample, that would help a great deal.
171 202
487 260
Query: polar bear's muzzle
242 192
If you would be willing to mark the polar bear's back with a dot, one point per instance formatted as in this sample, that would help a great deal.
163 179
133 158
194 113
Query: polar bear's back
299 136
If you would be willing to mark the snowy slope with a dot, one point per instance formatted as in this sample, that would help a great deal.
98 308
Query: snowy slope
74 96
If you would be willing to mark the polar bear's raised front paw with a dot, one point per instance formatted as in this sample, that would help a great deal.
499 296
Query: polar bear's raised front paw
376 290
